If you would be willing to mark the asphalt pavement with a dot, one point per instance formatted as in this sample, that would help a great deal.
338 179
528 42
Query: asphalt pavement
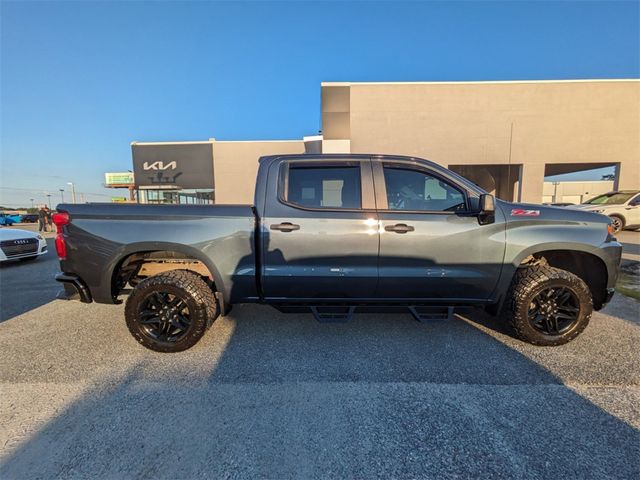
276 396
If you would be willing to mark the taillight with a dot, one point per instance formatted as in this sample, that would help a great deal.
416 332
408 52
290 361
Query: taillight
61 219
61 247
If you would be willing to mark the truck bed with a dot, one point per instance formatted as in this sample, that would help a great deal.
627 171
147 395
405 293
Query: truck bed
219 236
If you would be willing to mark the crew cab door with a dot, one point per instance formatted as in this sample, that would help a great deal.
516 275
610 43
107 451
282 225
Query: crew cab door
319 230
431 245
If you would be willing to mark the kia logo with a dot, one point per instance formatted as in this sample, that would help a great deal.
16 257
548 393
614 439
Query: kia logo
159 166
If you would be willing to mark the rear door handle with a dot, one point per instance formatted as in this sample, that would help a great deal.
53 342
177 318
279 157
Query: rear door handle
285 227
399 228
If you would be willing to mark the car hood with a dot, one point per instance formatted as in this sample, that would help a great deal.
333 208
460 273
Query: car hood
589 207
15 234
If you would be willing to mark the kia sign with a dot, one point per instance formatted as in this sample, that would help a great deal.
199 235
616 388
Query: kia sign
173 165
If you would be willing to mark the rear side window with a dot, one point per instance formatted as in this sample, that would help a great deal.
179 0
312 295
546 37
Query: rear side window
324 187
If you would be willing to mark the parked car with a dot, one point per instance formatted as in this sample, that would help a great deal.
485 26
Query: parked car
8 220
18 244
29 218
333 234
622 207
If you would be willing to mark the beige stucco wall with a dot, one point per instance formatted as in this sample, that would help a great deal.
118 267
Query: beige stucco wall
235 165
471 123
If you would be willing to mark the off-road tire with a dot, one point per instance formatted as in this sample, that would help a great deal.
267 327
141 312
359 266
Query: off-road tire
617 222
527 284
198 296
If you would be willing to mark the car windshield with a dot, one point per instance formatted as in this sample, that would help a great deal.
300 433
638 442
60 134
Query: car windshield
613 198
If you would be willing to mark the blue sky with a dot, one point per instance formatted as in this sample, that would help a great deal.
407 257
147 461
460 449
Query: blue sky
81 80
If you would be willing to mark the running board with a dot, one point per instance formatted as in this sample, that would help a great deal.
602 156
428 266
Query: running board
327 313
330 314
431 314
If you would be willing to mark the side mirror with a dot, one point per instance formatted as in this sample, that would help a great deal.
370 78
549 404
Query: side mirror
487 212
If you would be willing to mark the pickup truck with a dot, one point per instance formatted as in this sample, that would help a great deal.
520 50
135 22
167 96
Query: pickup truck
336 234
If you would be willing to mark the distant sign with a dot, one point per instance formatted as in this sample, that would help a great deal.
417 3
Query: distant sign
118 178
173 165
118 199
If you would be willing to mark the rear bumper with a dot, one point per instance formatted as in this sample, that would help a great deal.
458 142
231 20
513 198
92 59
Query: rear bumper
74 288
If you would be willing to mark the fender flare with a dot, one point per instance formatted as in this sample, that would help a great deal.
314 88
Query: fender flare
127 250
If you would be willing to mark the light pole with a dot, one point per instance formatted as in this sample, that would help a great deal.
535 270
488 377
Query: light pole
62 195
73 191
49 198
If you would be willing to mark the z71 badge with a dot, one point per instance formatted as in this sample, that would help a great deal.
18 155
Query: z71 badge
521 212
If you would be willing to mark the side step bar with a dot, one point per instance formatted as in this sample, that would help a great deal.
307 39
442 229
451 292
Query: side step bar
329 314
344 314
430 314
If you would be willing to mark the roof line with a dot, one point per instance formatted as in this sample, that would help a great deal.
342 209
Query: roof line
187 142
259 141
584 80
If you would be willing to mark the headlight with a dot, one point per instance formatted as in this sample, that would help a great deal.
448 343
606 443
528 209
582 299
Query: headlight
40 237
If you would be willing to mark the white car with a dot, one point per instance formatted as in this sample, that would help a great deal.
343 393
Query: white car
622 207
18 244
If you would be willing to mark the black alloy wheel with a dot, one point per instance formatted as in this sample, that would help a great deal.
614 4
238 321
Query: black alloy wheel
164 316
554 310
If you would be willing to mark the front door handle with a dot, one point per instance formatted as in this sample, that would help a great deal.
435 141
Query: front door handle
285 227
399 228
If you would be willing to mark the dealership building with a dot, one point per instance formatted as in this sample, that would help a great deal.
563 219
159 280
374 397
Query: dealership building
505 136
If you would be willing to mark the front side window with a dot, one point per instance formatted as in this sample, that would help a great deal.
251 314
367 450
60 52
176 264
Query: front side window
409 189
324 187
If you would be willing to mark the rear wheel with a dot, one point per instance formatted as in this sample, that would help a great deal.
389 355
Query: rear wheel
171 311
548 306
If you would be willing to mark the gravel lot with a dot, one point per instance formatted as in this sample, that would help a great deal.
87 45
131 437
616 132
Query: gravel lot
279 396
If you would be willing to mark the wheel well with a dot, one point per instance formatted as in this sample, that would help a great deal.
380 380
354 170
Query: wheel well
587 266
145 264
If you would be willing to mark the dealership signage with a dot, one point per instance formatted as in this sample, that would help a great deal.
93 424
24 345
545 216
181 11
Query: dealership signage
173 165
118 178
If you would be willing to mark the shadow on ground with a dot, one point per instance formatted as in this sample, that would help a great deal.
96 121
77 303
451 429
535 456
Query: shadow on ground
284 396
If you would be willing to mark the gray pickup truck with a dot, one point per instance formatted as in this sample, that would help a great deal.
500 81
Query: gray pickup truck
336 234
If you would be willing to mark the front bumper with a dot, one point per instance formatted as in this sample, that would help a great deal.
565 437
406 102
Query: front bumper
609 295
612 256
74 288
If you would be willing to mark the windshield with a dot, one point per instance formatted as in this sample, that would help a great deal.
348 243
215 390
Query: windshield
613 198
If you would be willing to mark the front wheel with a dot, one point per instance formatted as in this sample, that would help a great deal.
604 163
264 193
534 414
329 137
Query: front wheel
617 223
548 306
171 311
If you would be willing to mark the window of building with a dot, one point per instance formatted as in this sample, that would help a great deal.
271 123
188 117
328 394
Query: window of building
324 187
418 190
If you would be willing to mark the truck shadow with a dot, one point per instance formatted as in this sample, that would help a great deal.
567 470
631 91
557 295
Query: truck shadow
280 396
